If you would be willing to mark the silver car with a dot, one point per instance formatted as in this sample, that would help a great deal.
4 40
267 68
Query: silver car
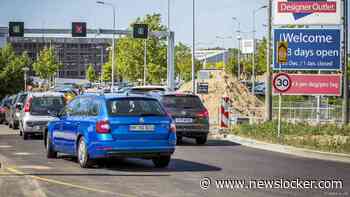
38 110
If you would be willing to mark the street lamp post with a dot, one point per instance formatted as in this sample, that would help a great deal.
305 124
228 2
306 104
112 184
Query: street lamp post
239 48
145 63
113 41
193 48
254 48
25 69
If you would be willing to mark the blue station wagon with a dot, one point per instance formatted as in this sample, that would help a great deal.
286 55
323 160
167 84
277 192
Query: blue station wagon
103 126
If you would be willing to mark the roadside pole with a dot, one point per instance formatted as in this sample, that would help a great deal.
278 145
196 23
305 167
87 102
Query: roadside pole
279 114
193 48
145 63
268 90
345 110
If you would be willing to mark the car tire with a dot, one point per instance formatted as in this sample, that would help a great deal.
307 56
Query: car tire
178 140
15 126
201 140
20 129
50 152
25 136
83 156
161 161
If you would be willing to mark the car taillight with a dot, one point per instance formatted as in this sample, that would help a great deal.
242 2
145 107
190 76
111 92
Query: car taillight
28 104
203 114
172 127
102 126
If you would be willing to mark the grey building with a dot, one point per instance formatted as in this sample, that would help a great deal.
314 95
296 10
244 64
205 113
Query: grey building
74 53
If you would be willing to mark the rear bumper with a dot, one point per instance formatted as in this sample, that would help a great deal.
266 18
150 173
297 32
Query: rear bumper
131 148
192 131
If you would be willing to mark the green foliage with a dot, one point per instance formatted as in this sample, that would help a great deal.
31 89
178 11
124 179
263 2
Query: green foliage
327 137
130 55
46 65
90 73
183 62
11 70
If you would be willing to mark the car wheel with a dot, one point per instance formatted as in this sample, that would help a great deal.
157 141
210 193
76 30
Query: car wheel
25 136
50 152
201 140
20 129
15 126
161 161
178 140
83 156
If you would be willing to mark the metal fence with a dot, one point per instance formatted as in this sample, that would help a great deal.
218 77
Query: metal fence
294 112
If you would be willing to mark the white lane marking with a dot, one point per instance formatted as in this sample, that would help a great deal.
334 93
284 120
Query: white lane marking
35 167
22 153
5 146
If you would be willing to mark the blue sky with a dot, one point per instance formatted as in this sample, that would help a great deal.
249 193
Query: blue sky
214 18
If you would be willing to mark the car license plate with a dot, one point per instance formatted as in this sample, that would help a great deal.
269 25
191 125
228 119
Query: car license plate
141 127
38 128
183 120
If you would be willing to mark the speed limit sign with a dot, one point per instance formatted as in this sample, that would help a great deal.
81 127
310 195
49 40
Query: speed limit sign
282 82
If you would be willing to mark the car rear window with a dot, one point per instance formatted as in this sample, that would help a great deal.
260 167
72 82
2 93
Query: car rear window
134 107
43 105
22 98
184 102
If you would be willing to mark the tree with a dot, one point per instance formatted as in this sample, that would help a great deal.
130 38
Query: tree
11 70
130 55
46 65
90 73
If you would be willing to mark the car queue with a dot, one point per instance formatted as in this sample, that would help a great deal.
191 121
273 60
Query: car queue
143 122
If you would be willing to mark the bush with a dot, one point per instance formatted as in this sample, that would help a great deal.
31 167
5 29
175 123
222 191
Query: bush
327 137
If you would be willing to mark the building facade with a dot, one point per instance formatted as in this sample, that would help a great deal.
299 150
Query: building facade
75 54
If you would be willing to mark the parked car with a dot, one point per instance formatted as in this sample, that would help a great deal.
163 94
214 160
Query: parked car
38 111
2 110
8 114
146 89
93 126
259 89
190 115
5 107
15 110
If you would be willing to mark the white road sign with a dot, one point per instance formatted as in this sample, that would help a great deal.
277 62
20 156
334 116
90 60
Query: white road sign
307 12
247 46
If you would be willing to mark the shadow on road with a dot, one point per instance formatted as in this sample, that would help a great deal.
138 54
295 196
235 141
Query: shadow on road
176 165
192 142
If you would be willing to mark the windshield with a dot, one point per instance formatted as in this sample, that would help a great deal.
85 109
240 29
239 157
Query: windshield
22 98
185 102
44 105
134 107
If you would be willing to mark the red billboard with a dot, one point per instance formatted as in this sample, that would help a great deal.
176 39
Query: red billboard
312 84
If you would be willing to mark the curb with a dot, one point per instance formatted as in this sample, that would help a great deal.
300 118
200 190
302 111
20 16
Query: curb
300 152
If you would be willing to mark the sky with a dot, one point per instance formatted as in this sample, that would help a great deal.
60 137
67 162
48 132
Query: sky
213 18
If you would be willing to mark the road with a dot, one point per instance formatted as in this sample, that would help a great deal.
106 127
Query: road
26 172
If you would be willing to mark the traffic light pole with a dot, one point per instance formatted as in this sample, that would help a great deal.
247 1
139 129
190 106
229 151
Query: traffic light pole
345 110
268 89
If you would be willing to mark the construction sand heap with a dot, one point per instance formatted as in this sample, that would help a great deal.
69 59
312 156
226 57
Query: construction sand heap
242 101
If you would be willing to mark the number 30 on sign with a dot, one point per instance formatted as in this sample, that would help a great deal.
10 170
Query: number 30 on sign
282 82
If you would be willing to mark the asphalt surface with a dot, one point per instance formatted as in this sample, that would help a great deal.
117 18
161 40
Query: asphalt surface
26 172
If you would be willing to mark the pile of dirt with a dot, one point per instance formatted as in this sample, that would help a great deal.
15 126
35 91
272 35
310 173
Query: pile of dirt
242 101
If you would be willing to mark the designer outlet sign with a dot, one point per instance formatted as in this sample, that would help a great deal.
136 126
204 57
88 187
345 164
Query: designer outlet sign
307 12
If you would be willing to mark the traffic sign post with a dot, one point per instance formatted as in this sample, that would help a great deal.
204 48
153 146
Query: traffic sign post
282 83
